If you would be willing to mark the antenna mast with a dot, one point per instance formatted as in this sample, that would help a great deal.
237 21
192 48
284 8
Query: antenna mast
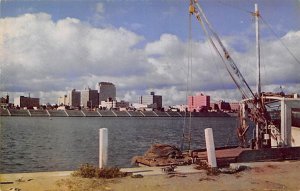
257 50
258 84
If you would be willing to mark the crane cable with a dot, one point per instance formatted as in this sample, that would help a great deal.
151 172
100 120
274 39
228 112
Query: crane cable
191 78
219 53
233 65
188 89
270 28
233 7
245 94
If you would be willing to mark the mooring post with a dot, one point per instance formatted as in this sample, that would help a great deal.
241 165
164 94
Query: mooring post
210 148
103 147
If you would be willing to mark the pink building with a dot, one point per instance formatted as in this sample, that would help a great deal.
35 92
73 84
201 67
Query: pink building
198 102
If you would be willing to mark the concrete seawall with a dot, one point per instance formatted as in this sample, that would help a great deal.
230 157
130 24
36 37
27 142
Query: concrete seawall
105 113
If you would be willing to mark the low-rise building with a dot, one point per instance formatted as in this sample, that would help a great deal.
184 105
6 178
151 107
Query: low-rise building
234 106
223 106
63 107
63 100
198 102
181 108
27 102
152 101
139 106
122 104
108 104
4 101
214 107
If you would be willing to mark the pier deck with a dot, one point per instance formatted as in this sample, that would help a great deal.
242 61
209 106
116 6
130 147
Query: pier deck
233 155
224 156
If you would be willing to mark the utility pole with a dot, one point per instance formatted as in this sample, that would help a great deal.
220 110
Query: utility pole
258 85
257 50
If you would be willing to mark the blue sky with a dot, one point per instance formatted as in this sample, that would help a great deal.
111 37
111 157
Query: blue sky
155 34
152 18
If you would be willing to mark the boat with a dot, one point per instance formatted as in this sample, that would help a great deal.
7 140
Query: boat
273 136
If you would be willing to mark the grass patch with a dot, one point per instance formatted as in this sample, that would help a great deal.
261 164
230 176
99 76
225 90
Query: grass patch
90 171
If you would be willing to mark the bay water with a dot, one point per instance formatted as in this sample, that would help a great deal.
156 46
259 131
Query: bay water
35 144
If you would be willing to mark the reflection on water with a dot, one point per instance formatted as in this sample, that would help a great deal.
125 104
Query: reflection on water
40 144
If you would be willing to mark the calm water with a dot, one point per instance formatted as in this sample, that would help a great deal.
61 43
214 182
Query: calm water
63 143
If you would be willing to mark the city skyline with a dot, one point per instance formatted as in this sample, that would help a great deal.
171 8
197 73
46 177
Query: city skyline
50 47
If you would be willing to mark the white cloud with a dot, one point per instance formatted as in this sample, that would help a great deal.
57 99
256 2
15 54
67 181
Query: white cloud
38 54
167 45
48 58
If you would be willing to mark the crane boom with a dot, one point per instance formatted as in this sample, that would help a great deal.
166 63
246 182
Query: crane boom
258 111
230 65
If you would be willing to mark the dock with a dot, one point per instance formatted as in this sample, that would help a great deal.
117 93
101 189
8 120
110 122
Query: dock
225 156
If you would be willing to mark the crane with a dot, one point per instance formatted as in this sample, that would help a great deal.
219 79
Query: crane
258 112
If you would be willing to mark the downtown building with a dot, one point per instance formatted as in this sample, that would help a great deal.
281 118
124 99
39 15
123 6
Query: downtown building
224 106
4 101
198 102
74 98
108 104
106 90
152 101
89 98
63 100
27 102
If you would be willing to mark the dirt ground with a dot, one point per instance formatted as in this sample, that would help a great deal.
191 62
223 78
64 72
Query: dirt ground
261 176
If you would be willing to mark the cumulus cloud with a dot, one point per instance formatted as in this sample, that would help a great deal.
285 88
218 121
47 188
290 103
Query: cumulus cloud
38 54
169 56
49 57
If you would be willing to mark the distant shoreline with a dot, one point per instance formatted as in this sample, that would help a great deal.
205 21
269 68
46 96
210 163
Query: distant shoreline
107 113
